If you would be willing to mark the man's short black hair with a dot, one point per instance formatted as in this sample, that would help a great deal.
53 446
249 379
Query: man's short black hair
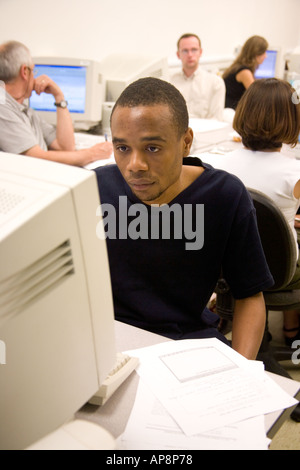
151 91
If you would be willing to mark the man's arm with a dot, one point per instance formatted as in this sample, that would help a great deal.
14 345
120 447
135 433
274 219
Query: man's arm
248 325
245 77
65 139
82 157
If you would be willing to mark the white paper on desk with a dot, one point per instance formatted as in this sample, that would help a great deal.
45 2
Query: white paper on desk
206 125
151 427
84 141
97 163
204 384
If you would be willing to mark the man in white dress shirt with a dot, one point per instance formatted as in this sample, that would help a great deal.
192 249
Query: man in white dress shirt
203 91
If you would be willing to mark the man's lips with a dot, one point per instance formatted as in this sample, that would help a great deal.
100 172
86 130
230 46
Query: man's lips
140 184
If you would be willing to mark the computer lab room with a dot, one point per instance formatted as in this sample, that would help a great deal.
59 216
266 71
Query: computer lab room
149 227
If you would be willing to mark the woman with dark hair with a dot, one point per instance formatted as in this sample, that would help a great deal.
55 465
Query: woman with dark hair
267 116
240 75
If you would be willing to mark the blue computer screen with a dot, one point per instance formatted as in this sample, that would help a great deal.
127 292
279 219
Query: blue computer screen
268 68
71 80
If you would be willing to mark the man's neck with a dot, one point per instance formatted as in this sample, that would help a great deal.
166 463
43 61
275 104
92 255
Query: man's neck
16 92
188 72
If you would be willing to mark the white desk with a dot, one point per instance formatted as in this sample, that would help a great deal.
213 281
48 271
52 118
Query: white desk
222 139
207 139
113 416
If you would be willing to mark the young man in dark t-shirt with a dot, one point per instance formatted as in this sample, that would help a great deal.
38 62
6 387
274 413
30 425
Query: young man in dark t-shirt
172 223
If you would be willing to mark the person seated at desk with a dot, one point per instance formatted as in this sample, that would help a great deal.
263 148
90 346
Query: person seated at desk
22 131
267 116
239 76
171 223
203 91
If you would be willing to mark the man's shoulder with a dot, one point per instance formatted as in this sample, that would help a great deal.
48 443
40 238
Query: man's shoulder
213 77
8 105
177 76
106 170
223 183
108 177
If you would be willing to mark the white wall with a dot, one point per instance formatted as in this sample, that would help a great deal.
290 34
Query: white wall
95 28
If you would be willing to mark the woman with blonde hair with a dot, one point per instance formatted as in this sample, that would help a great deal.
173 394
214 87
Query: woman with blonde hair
240 75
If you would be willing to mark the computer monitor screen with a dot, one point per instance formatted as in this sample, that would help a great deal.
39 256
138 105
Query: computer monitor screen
71 80
56 308
83 86
268 69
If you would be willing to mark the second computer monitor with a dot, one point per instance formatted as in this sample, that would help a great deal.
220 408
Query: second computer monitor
122 69
271 66
83 86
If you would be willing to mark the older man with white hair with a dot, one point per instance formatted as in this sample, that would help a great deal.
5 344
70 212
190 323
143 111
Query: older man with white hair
22 130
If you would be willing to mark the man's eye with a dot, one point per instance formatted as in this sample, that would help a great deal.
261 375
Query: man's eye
122 148
153 149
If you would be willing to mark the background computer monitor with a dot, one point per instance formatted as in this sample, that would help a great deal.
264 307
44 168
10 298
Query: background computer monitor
56 308
120 70
293 64
83 86
272 66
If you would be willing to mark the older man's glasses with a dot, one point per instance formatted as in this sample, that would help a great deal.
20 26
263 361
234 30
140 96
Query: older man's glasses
31 70
189 51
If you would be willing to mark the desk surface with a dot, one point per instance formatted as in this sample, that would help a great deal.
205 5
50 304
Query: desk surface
221 138
113 416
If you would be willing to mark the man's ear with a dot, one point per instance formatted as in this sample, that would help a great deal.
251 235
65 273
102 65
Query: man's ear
188 140
24 71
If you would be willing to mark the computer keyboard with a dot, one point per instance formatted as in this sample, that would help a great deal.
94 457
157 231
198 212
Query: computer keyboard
123 367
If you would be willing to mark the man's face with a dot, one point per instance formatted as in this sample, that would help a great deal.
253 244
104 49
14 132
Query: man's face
149 151
189 52
29 80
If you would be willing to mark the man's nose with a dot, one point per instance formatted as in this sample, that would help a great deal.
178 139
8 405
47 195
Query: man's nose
137 162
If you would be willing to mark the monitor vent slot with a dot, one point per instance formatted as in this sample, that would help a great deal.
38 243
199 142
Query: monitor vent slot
34 281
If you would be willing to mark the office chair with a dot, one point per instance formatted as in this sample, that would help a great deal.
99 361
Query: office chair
281 254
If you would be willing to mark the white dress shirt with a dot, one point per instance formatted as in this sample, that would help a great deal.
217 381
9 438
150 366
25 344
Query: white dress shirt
204 93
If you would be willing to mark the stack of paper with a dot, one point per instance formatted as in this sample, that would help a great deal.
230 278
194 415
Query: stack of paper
200 394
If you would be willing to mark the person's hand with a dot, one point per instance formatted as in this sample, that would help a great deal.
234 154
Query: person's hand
44 84
100 151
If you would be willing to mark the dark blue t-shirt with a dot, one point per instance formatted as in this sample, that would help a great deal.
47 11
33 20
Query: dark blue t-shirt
164 268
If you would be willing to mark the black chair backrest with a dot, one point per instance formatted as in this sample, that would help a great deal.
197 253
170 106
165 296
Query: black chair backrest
277 239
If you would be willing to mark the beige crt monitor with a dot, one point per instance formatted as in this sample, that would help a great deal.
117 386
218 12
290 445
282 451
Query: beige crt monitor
82 83
120 70
56 309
